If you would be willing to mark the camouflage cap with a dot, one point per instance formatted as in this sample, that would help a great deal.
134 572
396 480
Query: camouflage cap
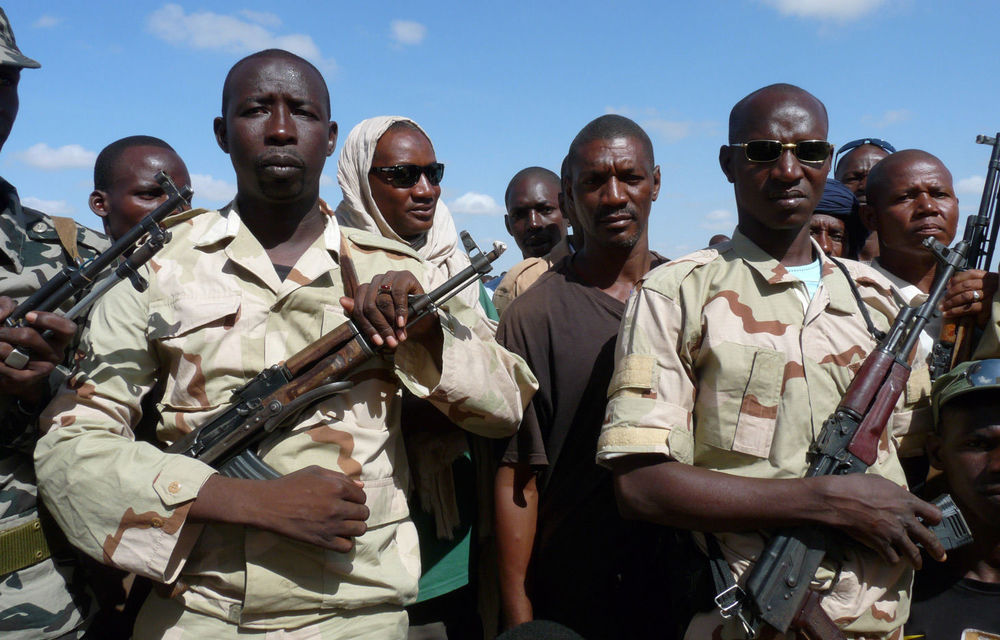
975 375
9 53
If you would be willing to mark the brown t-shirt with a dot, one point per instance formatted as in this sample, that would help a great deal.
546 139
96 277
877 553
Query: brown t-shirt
566 331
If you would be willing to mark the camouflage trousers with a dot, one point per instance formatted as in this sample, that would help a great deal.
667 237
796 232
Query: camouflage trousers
36 602
164 619
711 625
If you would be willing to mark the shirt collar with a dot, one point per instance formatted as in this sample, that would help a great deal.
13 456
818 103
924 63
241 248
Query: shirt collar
773 272
229 223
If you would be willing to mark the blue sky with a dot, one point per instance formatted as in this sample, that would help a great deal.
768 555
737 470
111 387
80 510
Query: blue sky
501 86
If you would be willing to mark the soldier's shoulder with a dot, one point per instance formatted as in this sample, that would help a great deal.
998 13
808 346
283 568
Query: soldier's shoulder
523 273
41 227
667 278
867 276
368 242
190 217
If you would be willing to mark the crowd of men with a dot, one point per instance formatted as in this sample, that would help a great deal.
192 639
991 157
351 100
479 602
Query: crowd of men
600 449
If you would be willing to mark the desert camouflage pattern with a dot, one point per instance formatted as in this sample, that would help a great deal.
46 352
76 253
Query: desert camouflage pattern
47 599
524 274
911 425
723 362
989 343
214 315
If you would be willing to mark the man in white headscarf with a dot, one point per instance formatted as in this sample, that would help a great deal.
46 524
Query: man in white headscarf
412 213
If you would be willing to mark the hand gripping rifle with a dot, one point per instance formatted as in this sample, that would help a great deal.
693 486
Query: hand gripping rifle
777 589
73 280
955 343
277 395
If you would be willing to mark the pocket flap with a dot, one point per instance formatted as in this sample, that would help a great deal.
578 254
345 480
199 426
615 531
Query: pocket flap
182 315
636 371
386 501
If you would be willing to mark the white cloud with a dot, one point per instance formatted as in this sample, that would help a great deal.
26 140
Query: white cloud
207 30
476 204
973 185
407 31
212 189
842 10
888 117
47 21
718 220
326 181
51 207
261 17
70 156
659 127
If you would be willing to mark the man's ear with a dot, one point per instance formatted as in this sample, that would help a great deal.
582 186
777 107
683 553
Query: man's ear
332 141
98 202
656 182
726 162
933 447
219 126
506 223
867 213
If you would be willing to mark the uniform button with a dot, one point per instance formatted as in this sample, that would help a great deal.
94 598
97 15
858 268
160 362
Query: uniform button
156 522
36 525
39 227
174 487
38 554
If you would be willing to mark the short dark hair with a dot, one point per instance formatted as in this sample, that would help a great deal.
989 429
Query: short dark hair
107 159
609 127
531 172
273 53
879 174
740 116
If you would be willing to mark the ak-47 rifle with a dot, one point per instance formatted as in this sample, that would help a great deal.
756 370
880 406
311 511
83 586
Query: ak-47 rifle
276 395
73 280
956 340
777 590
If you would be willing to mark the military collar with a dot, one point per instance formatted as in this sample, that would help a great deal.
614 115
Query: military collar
773 272
228 225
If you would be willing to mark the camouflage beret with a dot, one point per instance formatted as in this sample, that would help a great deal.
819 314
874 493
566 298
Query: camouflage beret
9 53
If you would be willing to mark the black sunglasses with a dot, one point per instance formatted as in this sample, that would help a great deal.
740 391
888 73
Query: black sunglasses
860 142
811 151
407 175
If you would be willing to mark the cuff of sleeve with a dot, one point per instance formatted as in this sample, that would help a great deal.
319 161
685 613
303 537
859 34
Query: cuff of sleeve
644 425
170 538
417 369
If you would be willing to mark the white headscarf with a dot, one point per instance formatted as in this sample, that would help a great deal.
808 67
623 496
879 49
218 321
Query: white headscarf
359 211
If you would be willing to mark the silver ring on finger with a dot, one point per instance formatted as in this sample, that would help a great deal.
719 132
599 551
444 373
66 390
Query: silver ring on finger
16 359
976 295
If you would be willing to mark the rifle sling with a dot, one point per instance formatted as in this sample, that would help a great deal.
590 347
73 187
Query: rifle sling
731 601
875 333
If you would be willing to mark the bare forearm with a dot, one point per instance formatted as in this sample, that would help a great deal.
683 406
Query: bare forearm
516 496
680 495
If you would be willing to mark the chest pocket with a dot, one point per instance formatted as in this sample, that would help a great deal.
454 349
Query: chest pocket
197 343
737 406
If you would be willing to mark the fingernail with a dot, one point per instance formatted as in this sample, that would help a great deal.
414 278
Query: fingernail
31 316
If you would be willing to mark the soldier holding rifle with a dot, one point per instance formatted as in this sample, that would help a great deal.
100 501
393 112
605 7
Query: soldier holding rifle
728 363
42 594
327 550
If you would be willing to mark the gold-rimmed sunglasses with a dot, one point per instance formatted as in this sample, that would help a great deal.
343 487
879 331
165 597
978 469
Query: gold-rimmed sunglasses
811 151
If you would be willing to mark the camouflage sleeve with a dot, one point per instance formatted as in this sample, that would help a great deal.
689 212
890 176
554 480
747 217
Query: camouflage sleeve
481 386
651 395
120 501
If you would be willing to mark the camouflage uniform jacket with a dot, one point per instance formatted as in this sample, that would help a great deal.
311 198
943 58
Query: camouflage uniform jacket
911 425
46 599
723 363
524 274
214 315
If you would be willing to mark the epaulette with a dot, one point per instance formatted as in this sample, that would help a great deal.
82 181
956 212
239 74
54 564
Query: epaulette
365 240
94 240
666 279
176 218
